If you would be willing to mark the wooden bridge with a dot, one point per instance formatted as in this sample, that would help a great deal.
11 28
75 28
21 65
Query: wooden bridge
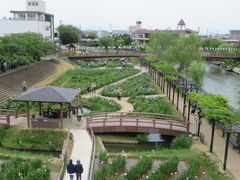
137 122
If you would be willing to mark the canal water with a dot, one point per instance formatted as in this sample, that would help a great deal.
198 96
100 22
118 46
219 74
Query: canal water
219 81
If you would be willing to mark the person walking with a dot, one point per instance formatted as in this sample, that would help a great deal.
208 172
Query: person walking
24 86
71 169
79 114
119 94
88 90
93 86
79 170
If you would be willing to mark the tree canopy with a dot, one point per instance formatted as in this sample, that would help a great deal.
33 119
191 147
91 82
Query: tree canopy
106 41
69 34
24 48
180 52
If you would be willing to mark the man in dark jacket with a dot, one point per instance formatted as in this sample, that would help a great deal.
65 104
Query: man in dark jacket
78 169
71 169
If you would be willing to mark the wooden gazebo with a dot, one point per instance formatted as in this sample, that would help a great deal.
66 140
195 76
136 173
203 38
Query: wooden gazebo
48 94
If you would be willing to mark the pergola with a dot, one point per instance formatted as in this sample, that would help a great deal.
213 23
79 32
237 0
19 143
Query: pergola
48 94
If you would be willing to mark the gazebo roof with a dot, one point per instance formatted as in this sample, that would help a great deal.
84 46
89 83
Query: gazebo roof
182 23
49 94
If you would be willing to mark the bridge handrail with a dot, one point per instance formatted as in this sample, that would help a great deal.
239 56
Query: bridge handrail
137 113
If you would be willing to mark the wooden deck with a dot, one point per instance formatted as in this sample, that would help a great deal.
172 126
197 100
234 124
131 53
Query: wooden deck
137 122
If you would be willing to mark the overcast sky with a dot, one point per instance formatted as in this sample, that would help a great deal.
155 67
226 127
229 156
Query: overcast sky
212 16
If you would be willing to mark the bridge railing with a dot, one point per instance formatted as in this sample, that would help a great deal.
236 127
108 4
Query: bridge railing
135 119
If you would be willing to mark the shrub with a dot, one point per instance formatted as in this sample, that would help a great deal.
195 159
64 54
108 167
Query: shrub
103 157
165 169
181 142
142 138
140 168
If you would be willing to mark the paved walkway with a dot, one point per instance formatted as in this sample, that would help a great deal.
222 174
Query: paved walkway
82 150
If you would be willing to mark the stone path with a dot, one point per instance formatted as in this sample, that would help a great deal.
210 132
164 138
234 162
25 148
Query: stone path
82 150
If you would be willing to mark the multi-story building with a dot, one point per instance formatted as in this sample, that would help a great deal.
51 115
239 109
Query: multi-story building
33 19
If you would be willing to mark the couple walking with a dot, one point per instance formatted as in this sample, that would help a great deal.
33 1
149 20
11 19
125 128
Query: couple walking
74 169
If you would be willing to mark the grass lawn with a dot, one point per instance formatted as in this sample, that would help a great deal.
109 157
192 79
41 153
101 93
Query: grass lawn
136 86
34 139
84 77
98 104
153 105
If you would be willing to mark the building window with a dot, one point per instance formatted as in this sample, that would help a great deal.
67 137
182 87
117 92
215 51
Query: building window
36 3
47 28
33 3
22 16
29 4
31 16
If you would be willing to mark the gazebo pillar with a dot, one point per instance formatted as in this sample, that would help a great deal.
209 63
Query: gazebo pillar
61 115
28 115
40 108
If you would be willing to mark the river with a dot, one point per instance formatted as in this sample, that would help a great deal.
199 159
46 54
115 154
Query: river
219 81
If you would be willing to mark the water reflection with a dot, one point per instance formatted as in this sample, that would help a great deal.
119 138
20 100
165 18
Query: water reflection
219 81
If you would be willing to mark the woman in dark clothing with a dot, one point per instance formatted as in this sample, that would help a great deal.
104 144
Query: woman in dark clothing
71 169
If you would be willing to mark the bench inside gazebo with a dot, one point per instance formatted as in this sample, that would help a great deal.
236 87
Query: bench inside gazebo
48 94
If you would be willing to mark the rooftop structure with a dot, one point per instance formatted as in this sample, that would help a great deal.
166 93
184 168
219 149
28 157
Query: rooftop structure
33 19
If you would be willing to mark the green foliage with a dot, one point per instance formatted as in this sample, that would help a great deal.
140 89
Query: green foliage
107 170
106 41
84 77
135 86
24 48
196 72
122 40
152 105
10 104
103 157
159 42
214 107
191 172
165 169
181 142
68 34
2 133
92 36
18 168
211 43
139 169
98 104
34 139
142 138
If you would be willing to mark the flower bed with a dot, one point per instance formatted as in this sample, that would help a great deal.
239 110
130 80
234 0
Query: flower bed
84 77
98 104
106 171
164 169
16 169
139 169
34 139
152 105
136 86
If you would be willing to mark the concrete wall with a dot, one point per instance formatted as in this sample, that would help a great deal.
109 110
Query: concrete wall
18 26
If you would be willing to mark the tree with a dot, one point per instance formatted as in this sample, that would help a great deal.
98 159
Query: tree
69 34
196 72
106 41
159 42
92 36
